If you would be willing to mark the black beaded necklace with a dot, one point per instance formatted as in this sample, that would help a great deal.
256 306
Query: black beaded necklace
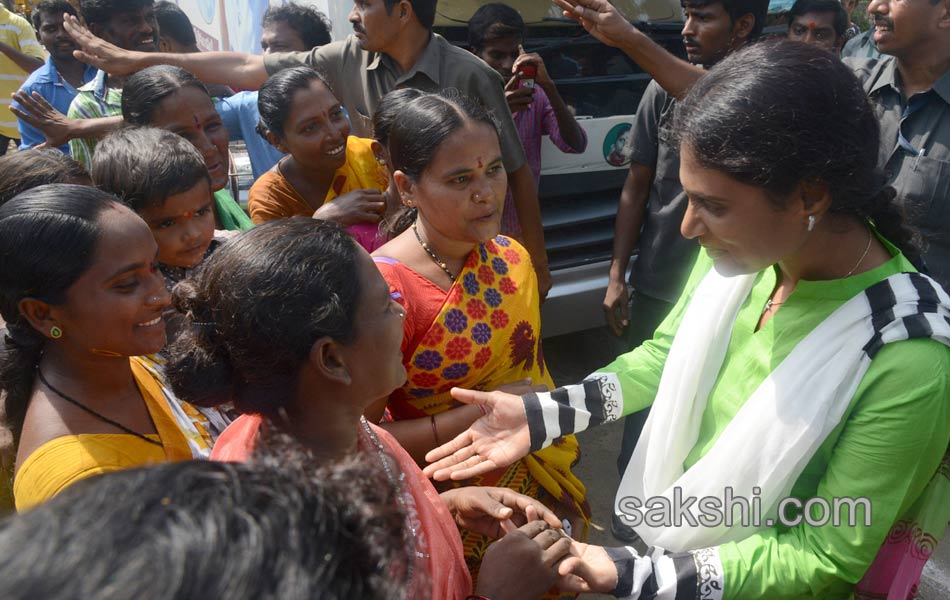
99 416
435 257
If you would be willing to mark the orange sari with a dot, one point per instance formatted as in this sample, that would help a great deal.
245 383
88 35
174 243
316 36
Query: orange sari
486 333
440 570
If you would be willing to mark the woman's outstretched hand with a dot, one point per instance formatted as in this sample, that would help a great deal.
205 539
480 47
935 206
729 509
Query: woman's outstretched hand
495 440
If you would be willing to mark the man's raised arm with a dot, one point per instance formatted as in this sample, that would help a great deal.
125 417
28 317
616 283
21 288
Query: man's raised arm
605 23
232 68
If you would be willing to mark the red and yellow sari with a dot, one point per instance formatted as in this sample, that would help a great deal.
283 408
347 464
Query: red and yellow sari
482 333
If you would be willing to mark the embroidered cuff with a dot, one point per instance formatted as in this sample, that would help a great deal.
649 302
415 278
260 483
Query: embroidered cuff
709 574
573 408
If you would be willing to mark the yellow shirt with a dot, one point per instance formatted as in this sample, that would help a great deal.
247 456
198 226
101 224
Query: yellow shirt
62 461
273 197
16 32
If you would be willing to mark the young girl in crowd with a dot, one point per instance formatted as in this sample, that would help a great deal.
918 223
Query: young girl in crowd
163 178
328 174
470 295
311 368
81 294
27 169
173 99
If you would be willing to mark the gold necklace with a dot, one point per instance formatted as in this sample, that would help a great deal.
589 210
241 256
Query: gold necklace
863 256
770 303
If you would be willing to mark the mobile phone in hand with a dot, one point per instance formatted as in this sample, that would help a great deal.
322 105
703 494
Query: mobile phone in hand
528 74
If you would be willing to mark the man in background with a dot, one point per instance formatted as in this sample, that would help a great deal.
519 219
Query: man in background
20 55
652 202
496 35
59 79
821 23
129 24
294 28
287 28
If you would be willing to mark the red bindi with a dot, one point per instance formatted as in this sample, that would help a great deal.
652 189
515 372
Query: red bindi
480 164
812 26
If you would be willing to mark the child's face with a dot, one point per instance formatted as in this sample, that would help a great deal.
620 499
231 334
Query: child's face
183 226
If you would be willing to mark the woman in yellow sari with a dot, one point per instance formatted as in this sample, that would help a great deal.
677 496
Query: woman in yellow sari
81 297
327 173
471 299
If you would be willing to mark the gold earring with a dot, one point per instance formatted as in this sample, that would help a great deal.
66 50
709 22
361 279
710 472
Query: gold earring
55 332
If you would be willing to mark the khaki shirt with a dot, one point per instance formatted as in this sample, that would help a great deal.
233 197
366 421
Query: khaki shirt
359 79
921 178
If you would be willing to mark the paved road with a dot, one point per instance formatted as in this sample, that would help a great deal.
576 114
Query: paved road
571 358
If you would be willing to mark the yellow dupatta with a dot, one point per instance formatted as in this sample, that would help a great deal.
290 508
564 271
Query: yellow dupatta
361 170
487 334
184 433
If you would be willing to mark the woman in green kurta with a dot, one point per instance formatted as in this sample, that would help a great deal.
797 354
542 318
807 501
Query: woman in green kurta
806 359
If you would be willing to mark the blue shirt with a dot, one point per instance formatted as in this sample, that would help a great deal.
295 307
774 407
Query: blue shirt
240 116
48 83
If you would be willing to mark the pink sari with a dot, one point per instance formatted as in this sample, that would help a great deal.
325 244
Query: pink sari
895 572
440 571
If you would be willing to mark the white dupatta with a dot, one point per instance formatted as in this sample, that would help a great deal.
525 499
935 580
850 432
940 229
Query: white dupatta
780 427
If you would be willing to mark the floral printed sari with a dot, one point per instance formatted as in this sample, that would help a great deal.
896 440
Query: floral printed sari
486 334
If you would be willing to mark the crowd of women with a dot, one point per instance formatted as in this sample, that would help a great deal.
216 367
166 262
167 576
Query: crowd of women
150 320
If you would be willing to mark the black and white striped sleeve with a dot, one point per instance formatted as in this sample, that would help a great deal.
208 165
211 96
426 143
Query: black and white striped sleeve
566 410
660 575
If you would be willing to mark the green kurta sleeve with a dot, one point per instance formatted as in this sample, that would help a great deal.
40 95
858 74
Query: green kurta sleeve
639 370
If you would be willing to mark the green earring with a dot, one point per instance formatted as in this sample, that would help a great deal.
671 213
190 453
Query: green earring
55 332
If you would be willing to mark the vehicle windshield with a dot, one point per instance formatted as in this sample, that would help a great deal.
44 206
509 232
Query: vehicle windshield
541 12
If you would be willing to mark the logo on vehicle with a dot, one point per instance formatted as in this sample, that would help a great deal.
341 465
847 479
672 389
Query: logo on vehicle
618 145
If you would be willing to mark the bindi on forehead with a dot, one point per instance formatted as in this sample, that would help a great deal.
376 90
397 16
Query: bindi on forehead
481 163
